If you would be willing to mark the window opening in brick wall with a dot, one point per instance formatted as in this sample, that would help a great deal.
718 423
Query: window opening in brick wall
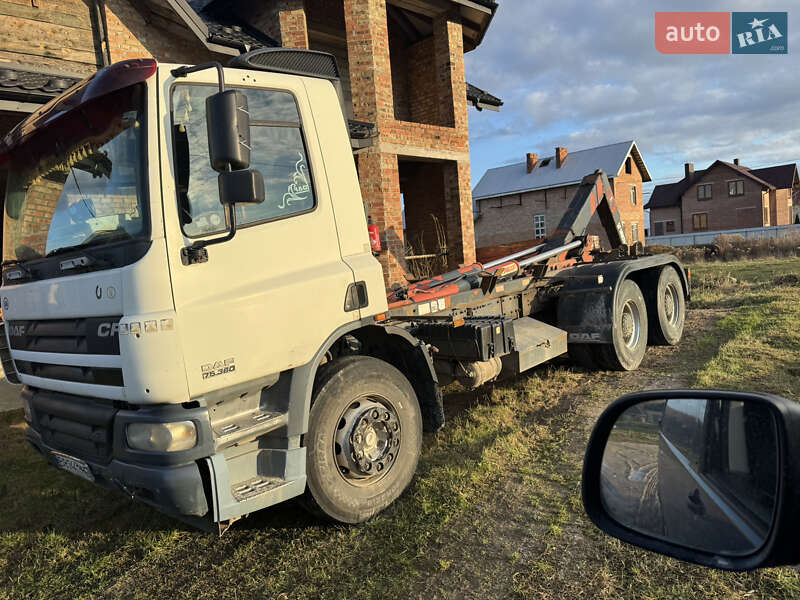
539 226
634 232
669 226
736 188
414 69
704 191
700 222
633 195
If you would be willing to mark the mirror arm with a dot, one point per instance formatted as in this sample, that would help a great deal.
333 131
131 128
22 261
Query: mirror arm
184 71
197 253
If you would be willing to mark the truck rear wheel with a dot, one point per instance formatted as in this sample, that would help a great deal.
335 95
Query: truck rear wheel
630 330
364 439
667 308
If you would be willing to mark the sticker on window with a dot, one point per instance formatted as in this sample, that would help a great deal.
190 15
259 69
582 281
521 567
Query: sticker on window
299 189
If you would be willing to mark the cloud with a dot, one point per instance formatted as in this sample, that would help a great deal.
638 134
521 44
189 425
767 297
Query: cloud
581 74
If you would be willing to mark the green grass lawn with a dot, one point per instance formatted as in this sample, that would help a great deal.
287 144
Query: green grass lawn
494 511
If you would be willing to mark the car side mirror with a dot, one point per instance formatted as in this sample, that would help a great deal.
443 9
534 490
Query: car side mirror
710 477
228 123
241 187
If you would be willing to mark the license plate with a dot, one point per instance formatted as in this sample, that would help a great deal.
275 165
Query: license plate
73 465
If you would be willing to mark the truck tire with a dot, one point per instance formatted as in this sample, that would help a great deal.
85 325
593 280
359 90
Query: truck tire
364 439
629 332
667 308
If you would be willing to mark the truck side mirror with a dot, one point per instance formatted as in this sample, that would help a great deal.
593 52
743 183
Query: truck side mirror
245 186
709 477
228 123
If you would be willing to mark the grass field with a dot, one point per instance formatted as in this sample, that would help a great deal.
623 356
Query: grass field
494 512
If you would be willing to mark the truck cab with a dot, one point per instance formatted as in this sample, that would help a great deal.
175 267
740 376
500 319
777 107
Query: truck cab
109 325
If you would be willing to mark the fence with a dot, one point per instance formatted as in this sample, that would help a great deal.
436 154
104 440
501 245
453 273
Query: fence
704 238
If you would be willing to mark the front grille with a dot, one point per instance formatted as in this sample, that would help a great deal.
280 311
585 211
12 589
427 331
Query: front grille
94 375
75 425
93 335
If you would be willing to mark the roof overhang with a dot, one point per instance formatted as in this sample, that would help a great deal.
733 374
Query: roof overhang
526 190
25 89
174 15
637 158
476 15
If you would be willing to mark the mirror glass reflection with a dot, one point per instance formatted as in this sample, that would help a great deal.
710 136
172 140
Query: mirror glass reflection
699 473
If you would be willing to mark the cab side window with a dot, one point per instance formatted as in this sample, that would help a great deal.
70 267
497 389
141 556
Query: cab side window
278 152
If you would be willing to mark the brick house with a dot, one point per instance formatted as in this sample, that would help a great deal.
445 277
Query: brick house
724 196
402 65
520 203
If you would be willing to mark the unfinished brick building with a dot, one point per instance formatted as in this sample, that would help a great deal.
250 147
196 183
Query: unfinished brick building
402 67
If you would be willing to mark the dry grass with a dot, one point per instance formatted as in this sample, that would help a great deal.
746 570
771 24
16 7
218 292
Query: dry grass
735 247
494 512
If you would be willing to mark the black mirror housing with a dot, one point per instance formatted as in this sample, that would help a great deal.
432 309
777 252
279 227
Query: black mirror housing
228 123
241 187
780 546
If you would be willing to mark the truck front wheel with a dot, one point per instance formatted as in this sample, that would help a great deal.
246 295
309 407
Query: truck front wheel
364 439
629 332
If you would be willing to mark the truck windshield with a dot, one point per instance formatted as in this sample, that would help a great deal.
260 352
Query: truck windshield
78 183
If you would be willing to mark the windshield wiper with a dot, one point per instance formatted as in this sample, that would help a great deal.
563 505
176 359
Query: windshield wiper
97 238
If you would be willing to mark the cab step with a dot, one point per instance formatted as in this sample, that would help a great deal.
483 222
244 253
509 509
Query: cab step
247 426
255 487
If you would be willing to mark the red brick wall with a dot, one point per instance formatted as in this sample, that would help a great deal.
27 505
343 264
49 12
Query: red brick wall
629 213
380 190
282 20
130 36
460 224
484 255
724 211
422 83
511 219
448 46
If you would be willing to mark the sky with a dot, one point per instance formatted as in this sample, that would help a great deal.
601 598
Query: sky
584 73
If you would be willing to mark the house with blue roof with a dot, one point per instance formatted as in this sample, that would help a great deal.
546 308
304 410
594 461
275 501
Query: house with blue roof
517 204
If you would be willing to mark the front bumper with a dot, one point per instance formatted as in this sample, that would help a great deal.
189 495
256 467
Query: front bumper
176 490
91 432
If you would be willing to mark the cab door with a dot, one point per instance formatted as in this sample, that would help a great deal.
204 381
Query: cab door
265 301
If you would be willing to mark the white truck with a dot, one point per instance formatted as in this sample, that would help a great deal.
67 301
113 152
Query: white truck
194 309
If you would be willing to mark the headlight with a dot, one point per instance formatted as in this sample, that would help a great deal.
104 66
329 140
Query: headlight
162 437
